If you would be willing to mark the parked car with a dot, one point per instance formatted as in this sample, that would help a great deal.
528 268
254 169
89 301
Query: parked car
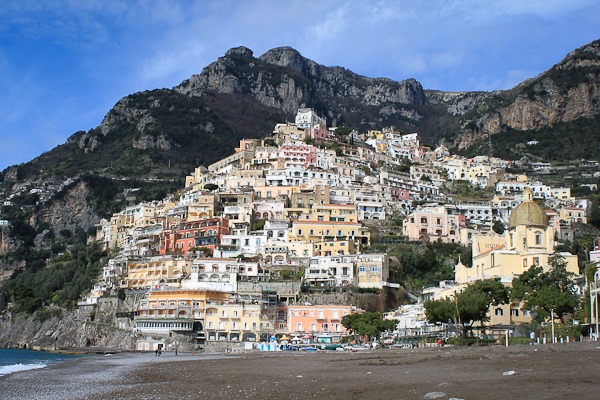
357 347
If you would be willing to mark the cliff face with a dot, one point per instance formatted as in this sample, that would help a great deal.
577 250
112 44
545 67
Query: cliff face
283 79
567 92
70 211
58 328
165 132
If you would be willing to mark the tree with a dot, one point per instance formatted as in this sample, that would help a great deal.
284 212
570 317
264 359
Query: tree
498 227
211 186
342 131
469 306
370 324
553 290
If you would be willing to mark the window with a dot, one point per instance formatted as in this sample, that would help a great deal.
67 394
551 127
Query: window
362 269
514 312
538 238
536 261
499 311
374 269
299 327
524 263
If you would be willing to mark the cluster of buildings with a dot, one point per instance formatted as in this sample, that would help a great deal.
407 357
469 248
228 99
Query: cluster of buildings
226 258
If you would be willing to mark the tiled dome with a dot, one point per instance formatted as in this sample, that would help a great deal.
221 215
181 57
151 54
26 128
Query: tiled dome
528 213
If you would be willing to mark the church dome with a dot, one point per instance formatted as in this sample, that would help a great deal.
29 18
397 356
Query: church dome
528 213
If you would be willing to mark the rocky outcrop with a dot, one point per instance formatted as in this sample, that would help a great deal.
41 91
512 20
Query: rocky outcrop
457 103
70 211
7 242
150 142
57 328
285 80
568 91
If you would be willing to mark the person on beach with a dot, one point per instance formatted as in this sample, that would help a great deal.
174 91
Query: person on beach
531 338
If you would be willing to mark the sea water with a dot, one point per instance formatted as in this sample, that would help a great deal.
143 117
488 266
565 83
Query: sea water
21 360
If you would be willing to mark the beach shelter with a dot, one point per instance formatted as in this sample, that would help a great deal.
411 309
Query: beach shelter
284 338
296 339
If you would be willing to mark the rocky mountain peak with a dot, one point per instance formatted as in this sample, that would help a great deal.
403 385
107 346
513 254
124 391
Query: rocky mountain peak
240 51
286 57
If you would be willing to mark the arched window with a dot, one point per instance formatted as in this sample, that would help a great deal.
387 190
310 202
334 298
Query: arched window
538 238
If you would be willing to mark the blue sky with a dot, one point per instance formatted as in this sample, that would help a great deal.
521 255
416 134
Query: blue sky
64 64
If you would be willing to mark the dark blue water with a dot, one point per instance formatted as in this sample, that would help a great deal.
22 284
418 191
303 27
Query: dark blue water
21 360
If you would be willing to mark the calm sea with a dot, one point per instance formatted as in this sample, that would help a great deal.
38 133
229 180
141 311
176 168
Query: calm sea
21 360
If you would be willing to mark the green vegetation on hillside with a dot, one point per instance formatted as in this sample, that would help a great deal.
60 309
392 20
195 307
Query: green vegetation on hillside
575 140
418 266
59 281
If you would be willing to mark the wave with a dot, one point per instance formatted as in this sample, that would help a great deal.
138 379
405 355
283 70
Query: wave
9 369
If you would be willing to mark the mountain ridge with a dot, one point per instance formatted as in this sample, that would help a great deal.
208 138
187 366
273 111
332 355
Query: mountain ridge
239 95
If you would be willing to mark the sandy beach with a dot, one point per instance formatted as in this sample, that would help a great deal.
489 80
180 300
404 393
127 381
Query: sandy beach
516 372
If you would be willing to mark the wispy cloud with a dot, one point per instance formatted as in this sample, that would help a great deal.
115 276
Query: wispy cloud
64 63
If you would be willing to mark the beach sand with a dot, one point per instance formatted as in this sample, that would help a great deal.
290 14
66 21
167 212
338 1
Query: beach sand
540 372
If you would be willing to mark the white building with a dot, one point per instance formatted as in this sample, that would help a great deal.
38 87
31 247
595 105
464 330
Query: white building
306 118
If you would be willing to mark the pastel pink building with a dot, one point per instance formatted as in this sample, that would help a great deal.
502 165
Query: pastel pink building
316 319
297 155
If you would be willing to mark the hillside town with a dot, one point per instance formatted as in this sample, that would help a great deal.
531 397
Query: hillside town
270 242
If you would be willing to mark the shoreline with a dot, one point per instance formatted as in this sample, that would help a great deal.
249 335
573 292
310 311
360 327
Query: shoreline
541 371
86 377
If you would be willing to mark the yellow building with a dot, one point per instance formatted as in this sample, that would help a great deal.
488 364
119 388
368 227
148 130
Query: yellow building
333 247
326 231
334 212
175 310
156 271
573 214
528 240
235 322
